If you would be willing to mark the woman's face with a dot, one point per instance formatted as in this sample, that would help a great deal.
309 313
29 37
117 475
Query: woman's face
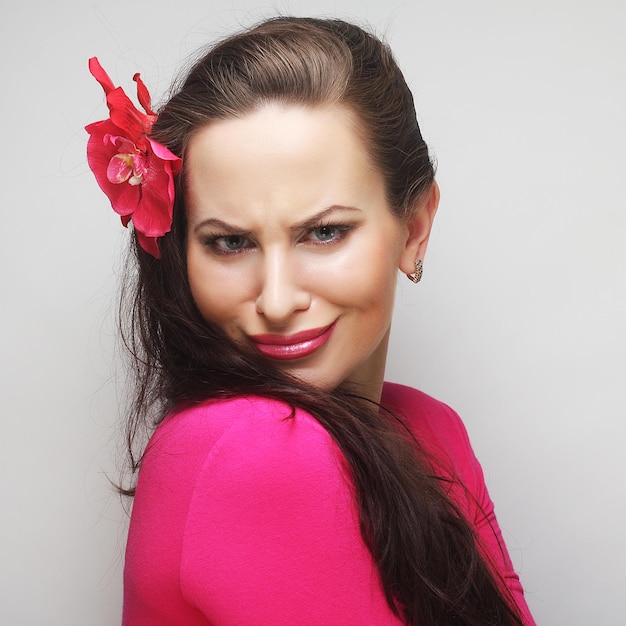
292 248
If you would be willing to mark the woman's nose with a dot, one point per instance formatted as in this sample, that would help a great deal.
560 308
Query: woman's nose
281 292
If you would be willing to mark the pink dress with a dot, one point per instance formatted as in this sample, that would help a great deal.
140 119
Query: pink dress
243 517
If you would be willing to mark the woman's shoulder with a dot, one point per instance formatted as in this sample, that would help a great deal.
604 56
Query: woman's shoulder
249 485
423 412
238 431
242 447
438 429
212 417
246 413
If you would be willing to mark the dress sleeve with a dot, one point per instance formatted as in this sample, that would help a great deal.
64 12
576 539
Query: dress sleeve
271 535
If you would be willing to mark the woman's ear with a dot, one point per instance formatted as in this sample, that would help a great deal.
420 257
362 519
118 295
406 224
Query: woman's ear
419 226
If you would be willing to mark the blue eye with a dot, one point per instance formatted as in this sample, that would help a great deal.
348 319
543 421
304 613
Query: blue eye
231 243
325 233
227 244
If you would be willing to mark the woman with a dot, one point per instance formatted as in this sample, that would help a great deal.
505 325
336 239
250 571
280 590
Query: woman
273 199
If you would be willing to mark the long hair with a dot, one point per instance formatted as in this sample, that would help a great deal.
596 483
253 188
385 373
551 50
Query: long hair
430 566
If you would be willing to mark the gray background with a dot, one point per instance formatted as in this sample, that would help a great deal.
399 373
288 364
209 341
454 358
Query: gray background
518 324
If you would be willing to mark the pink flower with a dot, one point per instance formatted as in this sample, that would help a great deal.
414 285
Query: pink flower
136 173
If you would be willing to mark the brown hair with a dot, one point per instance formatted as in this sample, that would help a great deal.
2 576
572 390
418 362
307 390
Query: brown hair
407 522
309 62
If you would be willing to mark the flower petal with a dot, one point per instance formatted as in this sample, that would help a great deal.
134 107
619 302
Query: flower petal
149 244
143 95
119 169
153 215
140 166
100 75
124 115
124 198
166 155
123 145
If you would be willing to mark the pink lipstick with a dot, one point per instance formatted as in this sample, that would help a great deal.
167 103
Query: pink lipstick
290 347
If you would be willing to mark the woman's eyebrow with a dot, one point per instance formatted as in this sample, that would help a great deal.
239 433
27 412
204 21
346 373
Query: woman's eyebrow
314 220
222 226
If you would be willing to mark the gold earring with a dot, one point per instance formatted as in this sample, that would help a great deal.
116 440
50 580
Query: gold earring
419 271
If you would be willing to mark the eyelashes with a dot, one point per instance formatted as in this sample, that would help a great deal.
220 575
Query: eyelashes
227 244
325 234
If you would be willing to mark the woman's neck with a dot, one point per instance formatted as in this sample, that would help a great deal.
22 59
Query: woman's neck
367 380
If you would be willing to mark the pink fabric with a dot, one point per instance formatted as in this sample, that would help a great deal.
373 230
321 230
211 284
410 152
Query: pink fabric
244 517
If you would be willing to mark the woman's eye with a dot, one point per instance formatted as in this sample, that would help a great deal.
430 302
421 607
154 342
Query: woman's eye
328 233
228 243
233 242
325 233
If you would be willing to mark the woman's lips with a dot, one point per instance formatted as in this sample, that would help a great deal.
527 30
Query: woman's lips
289 347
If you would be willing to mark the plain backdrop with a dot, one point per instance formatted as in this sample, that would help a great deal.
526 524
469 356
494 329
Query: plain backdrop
518 323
